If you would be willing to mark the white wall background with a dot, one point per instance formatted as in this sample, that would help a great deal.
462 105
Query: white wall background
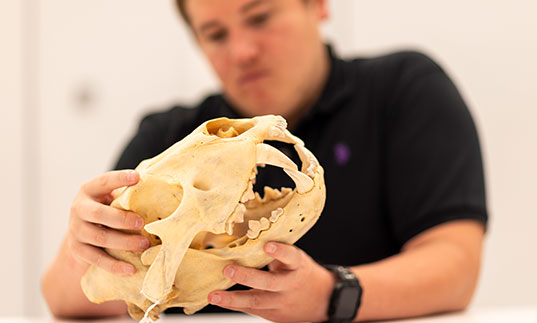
75 77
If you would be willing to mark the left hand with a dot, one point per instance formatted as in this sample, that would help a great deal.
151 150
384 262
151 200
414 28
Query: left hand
295 289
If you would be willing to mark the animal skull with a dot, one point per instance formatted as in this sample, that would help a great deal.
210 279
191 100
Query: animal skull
201 214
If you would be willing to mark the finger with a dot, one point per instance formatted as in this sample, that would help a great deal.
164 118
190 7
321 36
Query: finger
111 217
255 278
276 265
244 299
101 259
100 236
256 312
289 255
104 184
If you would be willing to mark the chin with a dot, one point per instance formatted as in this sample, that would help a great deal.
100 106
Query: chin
255 108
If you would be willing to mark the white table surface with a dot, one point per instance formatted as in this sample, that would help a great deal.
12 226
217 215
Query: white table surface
512 314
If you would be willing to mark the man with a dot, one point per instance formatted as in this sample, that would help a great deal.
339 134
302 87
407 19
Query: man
405 207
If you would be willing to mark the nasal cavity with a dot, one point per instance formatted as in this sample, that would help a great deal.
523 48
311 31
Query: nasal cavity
225 128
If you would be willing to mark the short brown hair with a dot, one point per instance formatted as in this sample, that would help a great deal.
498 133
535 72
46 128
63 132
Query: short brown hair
182 10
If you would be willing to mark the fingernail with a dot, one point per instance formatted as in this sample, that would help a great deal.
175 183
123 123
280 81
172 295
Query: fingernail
215 298
131 176
144 243
229 272
139 223
271 248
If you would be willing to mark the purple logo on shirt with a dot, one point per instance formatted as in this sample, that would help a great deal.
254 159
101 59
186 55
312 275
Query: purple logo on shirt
342 154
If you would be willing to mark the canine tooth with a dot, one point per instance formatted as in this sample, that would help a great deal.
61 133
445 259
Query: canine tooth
236 217
275 214
280 133
294 139
272 156
266 154
309 162
302 181
275 132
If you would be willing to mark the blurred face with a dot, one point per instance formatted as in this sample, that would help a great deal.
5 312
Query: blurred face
268 54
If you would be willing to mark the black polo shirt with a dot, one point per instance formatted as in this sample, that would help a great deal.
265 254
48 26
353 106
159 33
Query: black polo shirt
398 145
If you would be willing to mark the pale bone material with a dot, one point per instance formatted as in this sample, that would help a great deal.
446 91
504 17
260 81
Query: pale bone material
201 214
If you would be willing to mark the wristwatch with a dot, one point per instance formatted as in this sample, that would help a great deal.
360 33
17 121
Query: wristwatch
346 296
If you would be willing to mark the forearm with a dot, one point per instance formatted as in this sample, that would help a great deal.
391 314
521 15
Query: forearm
61 289
434 275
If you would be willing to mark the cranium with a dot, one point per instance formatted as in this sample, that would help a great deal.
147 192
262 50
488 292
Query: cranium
201 214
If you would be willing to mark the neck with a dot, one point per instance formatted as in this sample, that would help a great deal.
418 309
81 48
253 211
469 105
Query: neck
314 91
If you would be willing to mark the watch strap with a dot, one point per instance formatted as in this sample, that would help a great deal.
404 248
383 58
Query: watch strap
346 296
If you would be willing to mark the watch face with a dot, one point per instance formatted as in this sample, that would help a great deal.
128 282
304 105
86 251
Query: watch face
346 302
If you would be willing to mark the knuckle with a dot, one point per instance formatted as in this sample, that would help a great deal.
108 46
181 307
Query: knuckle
127 220
102 180
116 267
272 283
134 243
74 229
84 187
255 301
298 254
101 237
242 275
73 210
96 213
99 260
74 247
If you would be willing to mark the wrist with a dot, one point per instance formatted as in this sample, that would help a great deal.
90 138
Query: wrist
329 281
346 296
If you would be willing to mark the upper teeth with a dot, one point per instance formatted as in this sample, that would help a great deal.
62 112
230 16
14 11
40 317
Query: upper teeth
309 162
236 217
249 193
279 133
266 154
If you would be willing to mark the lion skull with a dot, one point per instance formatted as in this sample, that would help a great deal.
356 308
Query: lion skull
201 214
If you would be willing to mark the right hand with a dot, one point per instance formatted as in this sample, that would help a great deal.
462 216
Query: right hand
93 224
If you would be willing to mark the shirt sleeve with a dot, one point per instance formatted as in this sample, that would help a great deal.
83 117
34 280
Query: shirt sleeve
434 171
157 132
146 143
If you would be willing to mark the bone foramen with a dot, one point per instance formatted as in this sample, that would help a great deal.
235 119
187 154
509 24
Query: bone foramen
201 214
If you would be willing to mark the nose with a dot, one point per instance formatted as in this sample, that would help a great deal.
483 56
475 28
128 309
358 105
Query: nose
244 48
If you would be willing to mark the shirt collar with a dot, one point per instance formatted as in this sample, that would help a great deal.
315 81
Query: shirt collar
337 88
